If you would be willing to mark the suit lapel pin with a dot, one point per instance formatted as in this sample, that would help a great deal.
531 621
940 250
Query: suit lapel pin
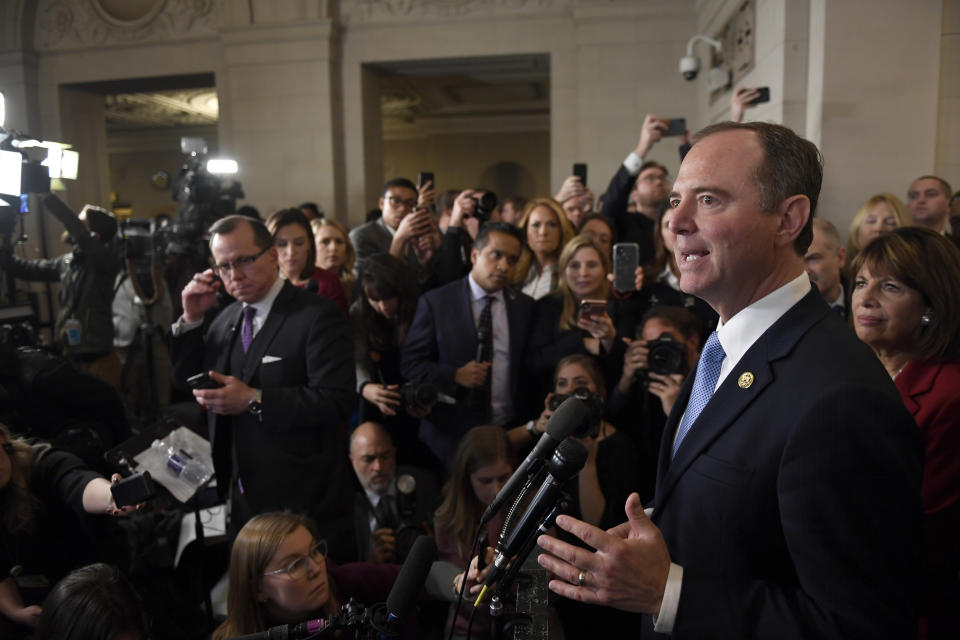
746 379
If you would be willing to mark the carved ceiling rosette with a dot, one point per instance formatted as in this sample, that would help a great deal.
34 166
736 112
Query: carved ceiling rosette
77 24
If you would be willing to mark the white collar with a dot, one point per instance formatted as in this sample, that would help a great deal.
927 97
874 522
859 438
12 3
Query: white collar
479 293
739 333
264 304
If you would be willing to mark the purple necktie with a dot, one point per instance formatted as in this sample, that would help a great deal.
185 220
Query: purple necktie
246 334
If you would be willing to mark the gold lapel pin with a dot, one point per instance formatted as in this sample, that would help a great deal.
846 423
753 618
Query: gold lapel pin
746 379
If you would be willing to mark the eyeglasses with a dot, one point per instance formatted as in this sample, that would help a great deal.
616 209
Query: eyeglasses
297 568
397 201
242 263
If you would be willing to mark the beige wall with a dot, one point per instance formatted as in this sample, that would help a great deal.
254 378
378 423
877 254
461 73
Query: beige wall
947 162
462 161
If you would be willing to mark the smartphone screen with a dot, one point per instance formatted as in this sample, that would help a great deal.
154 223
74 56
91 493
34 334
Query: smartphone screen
424 177
580 170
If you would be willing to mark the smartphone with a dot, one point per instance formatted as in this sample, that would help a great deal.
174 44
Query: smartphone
203 381
592 309
763 97
133 490
676 127
626 259
424 177
580 170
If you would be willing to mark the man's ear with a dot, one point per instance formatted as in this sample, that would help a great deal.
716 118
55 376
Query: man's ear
474 254
842 254
380 206
794 214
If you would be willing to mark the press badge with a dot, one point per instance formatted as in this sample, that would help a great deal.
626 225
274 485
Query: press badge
72 329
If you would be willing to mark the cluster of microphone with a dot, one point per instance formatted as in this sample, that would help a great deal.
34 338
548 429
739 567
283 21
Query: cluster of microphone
555 459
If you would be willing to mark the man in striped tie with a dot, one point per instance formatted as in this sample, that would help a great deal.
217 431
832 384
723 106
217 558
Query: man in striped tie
788 484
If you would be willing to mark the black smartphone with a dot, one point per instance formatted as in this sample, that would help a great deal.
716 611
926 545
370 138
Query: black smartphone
203 381
424 177
676 127
763 97
626 259
580 170
133 490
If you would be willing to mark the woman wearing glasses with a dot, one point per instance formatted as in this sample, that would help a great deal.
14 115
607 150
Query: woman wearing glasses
297 254
279 574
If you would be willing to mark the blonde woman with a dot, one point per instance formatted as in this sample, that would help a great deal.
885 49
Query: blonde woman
881 213
335 252
546 231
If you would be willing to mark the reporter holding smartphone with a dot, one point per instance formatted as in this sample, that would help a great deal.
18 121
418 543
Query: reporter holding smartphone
579 317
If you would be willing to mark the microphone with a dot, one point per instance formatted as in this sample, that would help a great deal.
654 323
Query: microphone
412 576
312 286
568 417
565 463
299 631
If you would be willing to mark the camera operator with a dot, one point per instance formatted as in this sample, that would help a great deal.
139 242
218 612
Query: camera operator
381 317
395 504
469 210
46 496
406 229
654 368
84 326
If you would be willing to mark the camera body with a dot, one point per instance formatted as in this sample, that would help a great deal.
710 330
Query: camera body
666 356
484 206
689 67
594 404
416 394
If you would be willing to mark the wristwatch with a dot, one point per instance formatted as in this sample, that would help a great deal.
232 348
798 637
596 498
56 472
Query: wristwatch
254 407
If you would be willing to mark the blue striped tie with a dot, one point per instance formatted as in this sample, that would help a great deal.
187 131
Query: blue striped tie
708 370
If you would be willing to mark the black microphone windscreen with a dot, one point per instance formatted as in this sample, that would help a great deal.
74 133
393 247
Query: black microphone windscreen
312 286
568 417
412 576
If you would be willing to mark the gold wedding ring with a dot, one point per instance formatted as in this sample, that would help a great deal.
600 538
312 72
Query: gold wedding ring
582 578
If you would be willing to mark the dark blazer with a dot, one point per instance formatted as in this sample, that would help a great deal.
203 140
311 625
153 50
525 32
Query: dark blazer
630 227
295 458
443 338
793 503
427 499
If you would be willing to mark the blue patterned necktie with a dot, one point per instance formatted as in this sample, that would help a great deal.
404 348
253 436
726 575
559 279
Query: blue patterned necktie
708 370
246 334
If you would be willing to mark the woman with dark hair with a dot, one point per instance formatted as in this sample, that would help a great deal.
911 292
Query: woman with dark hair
906 308
481 466
381 317
601 229
95 602
279 574
297 254
45 498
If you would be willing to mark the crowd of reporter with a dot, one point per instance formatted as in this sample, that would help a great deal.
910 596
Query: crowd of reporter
471 320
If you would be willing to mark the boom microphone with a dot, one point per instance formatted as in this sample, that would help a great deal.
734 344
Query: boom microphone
566 462
568 417
410 582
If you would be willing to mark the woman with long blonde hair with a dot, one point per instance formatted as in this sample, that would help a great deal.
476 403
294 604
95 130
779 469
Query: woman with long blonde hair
880 214
335 252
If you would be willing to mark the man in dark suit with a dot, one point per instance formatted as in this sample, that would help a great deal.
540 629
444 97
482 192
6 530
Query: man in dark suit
395 504
284 360
787 498
824 264
468 338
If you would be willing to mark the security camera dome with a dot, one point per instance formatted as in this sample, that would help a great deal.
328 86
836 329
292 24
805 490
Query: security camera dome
689 66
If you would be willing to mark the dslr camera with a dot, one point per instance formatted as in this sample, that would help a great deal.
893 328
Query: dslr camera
666 356
421 395
407 530
484 206
594 402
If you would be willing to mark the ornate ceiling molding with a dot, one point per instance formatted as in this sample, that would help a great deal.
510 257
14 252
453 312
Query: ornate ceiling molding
196 107
375 11
79 24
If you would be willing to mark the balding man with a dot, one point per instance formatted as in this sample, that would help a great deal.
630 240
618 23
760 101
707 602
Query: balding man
787 502
395 505
824 264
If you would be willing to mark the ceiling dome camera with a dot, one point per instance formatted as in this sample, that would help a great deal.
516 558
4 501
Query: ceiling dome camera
689 67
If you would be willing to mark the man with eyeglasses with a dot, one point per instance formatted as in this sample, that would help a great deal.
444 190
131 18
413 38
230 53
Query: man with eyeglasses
638 191
282 359
406 229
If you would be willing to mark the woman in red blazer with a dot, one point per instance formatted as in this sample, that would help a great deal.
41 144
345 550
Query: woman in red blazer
906 306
